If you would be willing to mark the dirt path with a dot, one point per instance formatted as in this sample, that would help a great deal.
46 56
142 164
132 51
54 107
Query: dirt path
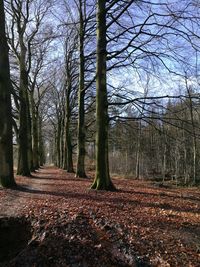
13 201
140 225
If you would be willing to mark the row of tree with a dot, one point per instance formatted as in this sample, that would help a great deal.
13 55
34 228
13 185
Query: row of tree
57 53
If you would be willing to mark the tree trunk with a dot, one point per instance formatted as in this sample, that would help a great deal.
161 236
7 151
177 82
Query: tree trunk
164 160
42 157
68 159
80 170
102 177
58 143
68 151
35 141
25 152
29 133
6 149
70 167
65 150
24 156
194 139
62 141
138 152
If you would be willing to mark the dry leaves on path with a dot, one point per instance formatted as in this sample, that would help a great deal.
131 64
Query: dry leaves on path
140 225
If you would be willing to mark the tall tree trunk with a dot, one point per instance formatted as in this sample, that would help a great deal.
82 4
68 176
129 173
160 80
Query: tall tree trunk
42 158
55 156
58 138
102 179
138 152
25 152
68 159
29 133
70 167
68 151
24 156
164 156
194 141
6 149
65 160
80 170
35 141
62 141
186 169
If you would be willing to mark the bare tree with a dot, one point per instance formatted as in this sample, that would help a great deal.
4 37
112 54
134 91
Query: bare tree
23 29
6 149
102 177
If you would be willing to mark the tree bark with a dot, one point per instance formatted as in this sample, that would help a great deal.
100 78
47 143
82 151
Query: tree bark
80 170
68 159
24 156
58 137
102 179
6 149
194 141
42 158
25 149
62 142
35 138
138 152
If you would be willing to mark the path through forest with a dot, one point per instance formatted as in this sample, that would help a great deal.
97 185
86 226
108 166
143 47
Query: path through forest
140 225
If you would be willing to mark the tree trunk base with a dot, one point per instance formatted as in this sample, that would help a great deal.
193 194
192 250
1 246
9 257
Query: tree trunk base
28 174
8 182
99 185
81 175
70 171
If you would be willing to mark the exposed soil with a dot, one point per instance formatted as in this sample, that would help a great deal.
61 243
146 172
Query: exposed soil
53 219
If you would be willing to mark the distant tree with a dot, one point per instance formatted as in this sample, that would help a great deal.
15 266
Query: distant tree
6 149
81 18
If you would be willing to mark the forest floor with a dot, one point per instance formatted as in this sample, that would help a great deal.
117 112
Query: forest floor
53 219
